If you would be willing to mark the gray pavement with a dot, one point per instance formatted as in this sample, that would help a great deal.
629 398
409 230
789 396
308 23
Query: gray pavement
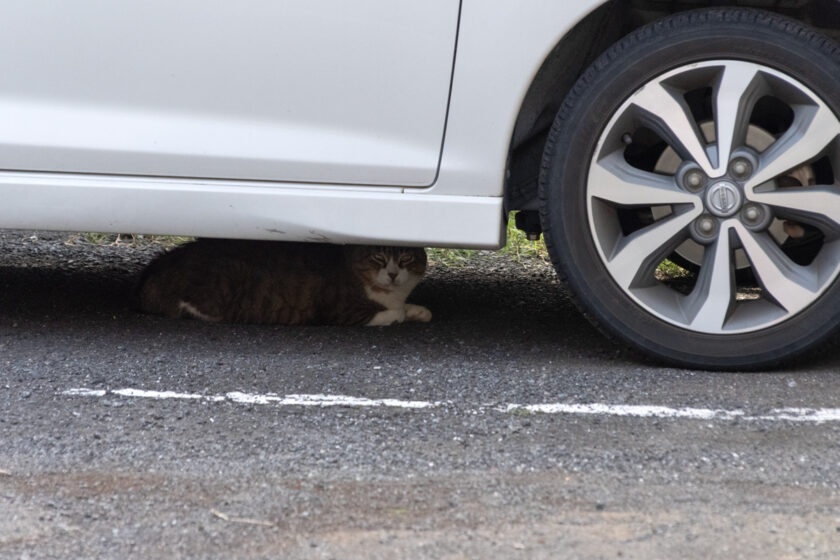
194 469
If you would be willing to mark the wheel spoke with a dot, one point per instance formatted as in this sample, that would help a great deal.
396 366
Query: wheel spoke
709 304
790 285
668 113
813 129
614 180
737 91
639 252
818 205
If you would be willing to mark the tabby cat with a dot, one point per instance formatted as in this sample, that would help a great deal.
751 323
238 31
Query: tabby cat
285 283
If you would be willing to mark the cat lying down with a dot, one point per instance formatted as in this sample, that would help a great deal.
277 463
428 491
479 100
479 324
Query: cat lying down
285 283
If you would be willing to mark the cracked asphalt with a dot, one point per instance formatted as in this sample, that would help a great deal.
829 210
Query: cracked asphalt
113 476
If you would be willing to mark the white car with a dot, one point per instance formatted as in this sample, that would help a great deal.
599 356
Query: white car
629 132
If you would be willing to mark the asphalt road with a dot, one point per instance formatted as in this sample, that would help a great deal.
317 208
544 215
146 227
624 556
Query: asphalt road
130 436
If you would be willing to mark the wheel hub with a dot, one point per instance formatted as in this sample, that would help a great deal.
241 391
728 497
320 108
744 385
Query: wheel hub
758 140
723 199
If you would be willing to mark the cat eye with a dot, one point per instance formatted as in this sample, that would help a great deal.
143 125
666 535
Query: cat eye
406 259
379 260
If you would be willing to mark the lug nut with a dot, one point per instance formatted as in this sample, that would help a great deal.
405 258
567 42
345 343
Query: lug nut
741 168
751 214
756 217
704 229
706 225
693 180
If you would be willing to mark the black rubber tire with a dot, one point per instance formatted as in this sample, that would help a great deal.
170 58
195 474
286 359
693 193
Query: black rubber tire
724 33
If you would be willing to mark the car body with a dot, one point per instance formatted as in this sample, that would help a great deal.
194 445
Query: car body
374 121
332 121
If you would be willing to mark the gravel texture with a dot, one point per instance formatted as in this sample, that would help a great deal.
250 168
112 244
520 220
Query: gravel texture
120 477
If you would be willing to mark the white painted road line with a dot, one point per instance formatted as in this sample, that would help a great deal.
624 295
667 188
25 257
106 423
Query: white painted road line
640 411
808 415
253 398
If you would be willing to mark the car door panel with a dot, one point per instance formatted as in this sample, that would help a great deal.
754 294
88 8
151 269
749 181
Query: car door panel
324 91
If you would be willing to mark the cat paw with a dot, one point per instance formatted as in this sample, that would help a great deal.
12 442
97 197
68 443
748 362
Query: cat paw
417 313
387 317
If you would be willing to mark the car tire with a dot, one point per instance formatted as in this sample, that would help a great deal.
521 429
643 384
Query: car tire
598 187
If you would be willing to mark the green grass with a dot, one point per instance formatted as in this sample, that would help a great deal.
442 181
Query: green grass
127 239
518 246
669 270
449 257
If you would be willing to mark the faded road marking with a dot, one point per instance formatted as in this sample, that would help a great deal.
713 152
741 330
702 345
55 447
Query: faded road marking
640 411
809 415
252 398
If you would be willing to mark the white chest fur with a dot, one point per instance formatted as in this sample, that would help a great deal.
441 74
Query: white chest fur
396 310
393 298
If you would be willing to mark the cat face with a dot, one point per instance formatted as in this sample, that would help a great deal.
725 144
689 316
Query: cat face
387 268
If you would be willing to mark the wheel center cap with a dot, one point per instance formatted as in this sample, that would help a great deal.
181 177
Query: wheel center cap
723 199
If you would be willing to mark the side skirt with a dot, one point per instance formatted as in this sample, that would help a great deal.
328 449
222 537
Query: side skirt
248 210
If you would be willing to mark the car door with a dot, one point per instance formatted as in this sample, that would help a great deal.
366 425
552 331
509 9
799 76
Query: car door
312 91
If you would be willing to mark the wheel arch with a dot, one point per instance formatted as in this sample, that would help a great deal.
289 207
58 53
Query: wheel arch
581 46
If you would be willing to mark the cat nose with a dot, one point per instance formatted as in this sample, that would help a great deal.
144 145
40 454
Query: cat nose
393 275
